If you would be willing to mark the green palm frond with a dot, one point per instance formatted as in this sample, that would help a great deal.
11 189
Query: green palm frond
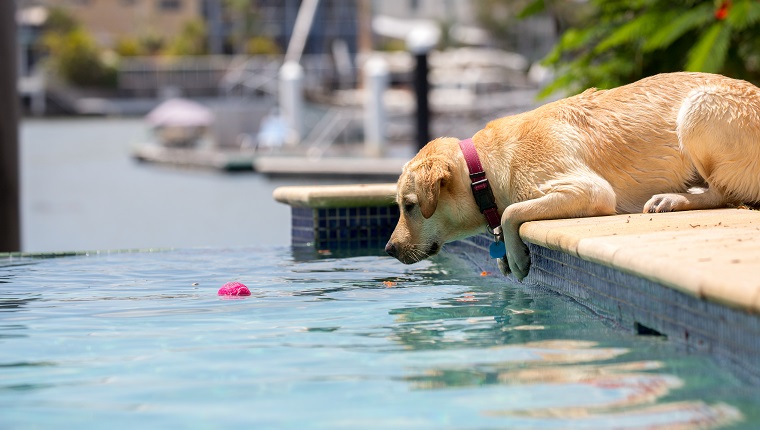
709 53
677 24
624 40
533 8
566 81
743 14
630 32
571 40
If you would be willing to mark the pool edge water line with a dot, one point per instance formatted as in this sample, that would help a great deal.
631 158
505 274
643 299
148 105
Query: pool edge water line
690 276
59 254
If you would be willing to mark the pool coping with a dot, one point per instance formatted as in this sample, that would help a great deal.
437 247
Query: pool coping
708 254
334 196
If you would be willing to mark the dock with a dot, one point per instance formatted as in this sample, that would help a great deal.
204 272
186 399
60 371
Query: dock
386 167
194 158
292 165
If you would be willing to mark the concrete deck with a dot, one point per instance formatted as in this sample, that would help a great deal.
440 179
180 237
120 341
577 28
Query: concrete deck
712 254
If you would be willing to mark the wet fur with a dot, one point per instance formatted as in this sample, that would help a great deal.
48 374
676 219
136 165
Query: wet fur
640 147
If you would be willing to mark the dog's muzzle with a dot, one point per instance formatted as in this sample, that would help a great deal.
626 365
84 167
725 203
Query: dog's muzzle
392 250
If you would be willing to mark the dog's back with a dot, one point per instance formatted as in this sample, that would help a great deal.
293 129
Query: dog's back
630 136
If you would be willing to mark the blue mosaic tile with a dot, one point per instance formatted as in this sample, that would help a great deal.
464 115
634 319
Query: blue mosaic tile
344 228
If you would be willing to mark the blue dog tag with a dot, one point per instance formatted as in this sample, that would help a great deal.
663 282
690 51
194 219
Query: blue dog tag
497 249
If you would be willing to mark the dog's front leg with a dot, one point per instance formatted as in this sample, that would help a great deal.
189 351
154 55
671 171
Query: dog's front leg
572 197
517 259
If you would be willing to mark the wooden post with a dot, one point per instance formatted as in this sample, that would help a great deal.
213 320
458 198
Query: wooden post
10 218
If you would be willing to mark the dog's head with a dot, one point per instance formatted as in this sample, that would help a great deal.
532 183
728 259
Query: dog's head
435 203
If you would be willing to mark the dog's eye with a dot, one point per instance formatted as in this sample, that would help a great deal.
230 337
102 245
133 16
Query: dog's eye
408 207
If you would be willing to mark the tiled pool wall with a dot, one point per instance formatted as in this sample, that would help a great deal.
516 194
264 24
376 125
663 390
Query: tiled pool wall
732 336
343 228
638 305
630 302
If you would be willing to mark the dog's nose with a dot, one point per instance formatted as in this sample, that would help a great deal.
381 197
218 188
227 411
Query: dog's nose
390 248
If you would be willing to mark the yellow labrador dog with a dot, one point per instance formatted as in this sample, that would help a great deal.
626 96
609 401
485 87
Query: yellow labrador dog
639 147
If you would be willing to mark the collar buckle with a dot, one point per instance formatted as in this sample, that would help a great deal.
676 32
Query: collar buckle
483 194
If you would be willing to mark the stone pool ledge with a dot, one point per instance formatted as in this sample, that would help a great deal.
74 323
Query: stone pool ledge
710 254
335 196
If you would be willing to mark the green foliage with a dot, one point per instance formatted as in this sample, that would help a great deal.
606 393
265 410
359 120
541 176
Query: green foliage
709 54
532 8
673 29
151 44
75 56
626 40
144 44
60 21
262 45
127 47
190 41
392 45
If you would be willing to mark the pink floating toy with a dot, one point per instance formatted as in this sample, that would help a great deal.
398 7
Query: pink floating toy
231 289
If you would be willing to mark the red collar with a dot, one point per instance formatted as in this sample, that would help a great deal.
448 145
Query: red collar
481 189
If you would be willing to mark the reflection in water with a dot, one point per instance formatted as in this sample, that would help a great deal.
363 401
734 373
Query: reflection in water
612 395
666 416
10 304
607 392
13 301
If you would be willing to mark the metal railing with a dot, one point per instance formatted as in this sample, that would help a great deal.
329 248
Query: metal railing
149 76
217 75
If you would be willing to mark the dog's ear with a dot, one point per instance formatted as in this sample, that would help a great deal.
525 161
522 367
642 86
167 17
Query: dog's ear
429 179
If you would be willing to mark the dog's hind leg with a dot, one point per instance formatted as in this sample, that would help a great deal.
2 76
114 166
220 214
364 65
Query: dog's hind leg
695 199
718 127
572 196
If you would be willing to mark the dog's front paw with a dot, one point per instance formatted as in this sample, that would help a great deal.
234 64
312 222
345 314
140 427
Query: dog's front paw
665 203
519 262
503 265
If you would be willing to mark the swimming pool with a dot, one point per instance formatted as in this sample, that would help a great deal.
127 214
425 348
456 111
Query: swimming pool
141 339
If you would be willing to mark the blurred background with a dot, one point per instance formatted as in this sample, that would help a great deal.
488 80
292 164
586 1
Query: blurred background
168 123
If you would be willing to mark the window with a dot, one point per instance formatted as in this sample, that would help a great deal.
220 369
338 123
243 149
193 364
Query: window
170 5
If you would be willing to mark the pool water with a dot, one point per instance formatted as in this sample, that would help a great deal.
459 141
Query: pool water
141 340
